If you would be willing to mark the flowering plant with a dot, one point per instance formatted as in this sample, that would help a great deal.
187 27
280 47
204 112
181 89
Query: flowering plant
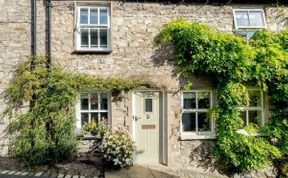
98 131
118 148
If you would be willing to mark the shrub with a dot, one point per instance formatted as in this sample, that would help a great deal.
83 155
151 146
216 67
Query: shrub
45 133
118 148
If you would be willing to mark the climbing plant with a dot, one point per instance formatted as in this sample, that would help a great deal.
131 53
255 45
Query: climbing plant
45 131
234 64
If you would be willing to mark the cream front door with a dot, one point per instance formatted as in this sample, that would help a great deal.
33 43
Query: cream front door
147 119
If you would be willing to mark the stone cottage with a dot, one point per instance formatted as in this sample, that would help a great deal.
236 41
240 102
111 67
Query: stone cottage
115 39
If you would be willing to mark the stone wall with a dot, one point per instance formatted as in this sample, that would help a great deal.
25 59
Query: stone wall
14 47
134 26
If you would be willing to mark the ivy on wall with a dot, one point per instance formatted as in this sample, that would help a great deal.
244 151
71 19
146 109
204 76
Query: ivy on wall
233 63
46 132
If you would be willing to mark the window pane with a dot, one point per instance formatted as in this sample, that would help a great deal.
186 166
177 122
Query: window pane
84 102
94 38
103 38
148 105
255 117
243 117
84 16
189 122
256 18
189 100
84 37
94 116
255 98
84 118
204 123
104 101
104 117
242 18
204 100
103 16
94 101
93 16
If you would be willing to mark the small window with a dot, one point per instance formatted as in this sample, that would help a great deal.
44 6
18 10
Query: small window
93 106
148 105
195 119
253 111
93 26
249 18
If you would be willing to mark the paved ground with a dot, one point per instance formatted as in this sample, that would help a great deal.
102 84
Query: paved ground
137 171
151 171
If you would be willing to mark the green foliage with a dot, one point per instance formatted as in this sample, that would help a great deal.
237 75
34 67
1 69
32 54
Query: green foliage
234 63
98 131
46 132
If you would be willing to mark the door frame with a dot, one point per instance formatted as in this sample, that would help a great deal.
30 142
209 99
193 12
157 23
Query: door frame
163 140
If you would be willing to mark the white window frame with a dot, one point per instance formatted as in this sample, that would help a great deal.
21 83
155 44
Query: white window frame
93 26
79 111
249 27
259 108
197 135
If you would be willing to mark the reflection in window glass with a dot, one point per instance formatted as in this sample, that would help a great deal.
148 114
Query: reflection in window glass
103 16
84 38
203 122
84 16
203 100
255 98
104 101
94 37
255 117
94 101
188 122
84 102
84 118
242 18
189 100
103 38
256 18
93 16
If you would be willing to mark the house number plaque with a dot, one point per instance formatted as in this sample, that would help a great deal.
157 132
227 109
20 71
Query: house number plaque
150 126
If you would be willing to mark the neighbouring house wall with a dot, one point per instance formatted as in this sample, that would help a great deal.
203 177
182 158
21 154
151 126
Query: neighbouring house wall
133 28
14 48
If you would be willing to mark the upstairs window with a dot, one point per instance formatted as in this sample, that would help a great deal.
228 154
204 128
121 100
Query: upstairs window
249 18
93 29
253 111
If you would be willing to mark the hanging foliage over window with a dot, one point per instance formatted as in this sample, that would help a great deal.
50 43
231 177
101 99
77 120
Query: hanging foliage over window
45 131
233 63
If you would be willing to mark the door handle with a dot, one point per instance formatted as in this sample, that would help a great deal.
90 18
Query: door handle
135 118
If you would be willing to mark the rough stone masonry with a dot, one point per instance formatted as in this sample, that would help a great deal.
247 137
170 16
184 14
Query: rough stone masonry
133 28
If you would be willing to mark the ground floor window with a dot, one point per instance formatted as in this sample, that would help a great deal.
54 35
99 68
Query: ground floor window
93 106
252 112
195 118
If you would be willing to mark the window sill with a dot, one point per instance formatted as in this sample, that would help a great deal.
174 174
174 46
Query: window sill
189 136
91 51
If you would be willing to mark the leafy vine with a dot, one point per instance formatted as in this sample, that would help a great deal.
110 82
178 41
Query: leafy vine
234 63
45 131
